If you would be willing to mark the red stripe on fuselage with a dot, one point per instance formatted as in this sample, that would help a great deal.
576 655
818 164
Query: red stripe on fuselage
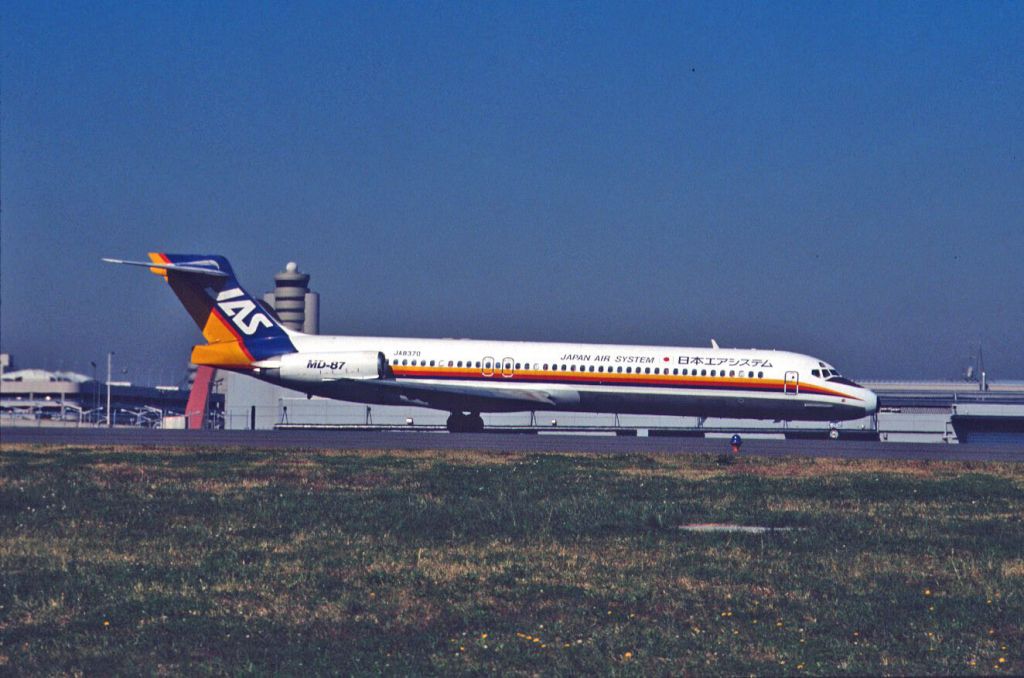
612 379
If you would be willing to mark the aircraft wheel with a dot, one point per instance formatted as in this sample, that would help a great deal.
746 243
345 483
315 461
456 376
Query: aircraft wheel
464 423
457 423
833 434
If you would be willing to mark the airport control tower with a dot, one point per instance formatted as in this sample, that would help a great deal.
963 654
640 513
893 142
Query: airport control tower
295 304
257 404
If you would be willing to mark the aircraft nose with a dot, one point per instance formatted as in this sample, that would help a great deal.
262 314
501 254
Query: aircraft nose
870 402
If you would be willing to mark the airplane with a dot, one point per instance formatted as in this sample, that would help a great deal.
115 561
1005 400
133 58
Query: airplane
467 377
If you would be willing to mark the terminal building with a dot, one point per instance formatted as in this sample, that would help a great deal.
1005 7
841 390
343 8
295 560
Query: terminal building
43 398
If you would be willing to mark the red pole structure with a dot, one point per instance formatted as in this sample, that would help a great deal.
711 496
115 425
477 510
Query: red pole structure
199 397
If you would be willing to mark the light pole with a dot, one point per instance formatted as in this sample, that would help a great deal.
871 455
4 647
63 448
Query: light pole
110 359
95 392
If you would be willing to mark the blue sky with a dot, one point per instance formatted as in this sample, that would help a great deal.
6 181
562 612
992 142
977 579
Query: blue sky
839 179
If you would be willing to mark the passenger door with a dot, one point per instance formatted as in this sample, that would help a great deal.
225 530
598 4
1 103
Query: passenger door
507 368
791 385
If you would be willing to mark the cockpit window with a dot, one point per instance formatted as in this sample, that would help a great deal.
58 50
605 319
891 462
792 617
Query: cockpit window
832 376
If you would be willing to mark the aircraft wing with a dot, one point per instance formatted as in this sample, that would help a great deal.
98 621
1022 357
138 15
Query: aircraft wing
455 397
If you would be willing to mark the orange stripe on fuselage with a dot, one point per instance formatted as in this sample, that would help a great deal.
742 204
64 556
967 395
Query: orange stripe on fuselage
611 379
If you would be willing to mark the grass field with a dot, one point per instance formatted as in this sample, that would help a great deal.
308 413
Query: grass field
210 561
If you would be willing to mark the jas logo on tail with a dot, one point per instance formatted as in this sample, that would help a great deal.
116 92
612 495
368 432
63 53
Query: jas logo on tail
242 312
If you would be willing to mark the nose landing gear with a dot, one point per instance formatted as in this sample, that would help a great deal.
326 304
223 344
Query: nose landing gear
465 423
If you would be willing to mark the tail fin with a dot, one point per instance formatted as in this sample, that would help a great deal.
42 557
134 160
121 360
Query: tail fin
238 329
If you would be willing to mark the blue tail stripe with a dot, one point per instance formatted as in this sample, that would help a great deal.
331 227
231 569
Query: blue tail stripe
262 334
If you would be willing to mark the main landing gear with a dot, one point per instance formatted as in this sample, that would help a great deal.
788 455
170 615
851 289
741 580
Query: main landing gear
465 423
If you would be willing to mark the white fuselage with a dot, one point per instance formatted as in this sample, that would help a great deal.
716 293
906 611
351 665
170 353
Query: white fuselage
492 376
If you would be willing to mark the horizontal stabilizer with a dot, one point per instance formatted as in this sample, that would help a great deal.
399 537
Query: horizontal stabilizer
198 267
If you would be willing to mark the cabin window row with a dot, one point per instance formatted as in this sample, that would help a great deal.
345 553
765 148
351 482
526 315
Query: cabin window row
600 369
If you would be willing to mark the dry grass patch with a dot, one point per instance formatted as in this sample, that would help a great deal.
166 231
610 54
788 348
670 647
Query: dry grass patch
673 472
1013 568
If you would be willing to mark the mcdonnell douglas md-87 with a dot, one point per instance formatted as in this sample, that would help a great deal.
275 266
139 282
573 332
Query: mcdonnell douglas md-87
467 377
